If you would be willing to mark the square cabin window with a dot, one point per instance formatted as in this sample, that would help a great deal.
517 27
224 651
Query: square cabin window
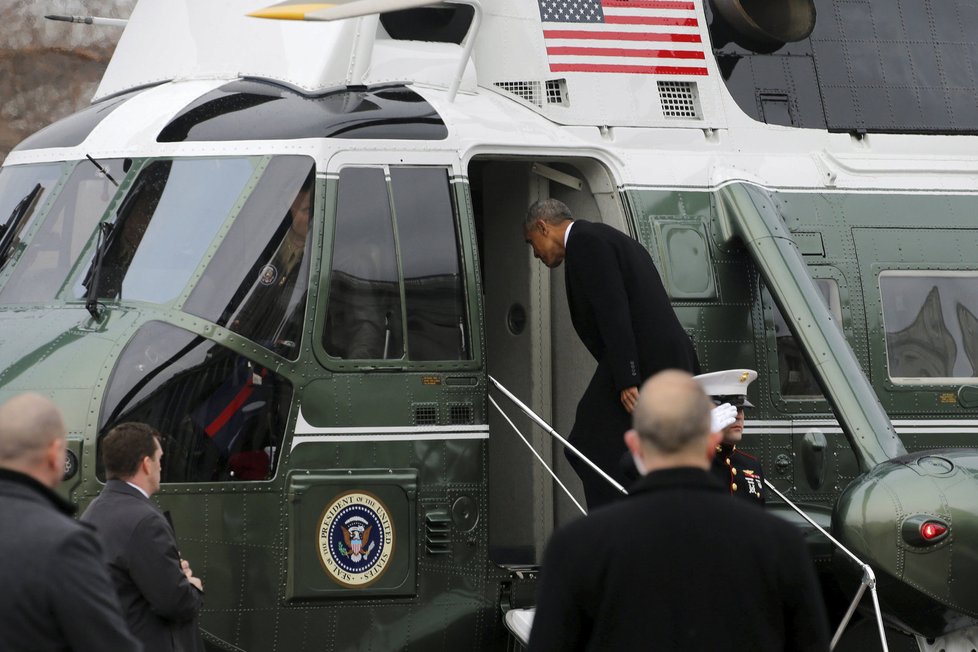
930 325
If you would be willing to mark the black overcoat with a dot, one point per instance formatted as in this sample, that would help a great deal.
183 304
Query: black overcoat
679 566
55 592
622 314
158 601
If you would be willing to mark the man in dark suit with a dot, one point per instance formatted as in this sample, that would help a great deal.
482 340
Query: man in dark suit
678 565
56 593
159 593
622 314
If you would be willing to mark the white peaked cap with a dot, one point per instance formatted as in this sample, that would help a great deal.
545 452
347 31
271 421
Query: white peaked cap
730 382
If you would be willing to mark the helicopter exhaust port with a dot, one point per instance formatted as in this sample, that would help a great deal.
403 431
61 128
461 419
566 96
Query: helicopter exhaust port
762 25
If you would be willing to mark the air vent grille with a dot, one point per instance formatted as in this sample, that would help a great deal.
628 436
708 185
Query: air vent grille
460 414
552 91
557 92
425 415
437 534
680 99
528 91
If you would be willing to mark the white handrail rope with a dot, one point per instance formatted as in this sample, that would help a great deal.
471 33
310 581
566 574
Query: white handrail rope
537 455
553 433
869 578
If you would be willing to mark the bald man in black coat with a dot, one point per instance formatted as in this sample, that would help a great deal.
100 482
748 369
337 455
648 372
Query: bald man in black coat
623 316
678 565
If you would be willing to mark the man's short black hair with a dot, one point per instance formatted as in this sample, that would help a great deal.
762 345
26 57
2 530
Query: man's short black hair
124 448
551 211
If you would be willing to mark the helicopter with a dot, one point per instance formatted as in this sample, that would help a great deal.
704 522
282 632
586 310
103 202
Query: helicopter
289 238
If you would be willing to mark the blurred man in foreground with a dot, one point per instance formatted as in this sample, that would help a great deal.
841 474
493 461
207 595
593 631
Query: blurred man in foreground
677 565
56 591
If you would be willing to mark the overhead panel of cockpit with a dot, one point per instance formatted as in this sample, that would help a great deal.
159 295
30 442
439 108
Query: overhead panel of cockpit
897 66
74 129
255 110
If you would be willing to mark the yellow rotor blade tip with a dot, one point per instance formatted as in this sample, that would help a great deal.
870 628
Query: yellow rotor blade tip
289 12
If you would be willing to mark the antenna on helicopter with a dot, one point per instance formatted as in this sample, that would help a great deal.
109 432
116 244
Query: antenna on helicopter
90 20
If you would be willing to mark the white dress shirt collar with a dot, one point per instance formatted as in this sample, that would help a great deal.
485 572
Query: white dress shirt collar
138 488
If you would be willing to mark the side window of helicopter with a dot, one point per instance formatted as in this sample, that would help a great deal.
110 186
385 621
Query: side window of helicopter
45 263
396 289
222 416
163 227
257 282
930 321
797 379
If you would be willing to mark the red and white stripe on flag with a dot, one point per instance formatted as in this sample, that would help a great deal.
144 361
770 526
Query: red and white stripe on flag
652 37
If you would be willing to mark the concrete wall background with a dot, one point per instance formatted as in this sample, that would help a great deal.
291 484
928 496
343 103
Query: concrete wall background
49 69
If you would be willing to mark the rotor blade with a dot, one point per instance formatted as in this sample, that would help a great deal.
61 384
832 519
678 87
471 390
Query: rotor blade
336 10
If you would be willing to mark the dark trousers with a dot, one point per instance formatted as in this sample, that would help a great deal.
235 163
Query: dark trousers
599 430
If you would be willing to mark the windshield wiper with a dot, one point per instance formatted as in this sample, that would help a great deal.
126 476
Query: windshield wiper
106 236
105 230
14 222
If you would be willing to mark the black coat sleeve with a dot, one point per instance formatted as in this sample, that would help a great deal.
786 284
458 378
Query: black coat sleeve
560 623
805 620
598 275
154 565
84 602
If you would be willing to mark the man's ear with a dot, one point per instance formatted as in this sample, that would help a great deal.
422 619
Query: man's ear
632 442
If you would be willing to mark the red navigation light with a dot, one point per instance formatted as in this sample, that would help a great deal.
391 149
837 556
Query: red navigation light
932 530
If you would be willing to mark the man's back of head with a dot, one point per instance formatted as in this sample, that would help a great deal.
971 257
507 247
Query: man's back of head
671 422
32 438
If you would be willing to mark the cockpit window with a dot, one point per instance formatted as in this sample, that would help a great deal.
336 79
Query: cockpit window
163 227
930 322
45 264
257 282
222 416
23 190
797 378
381 256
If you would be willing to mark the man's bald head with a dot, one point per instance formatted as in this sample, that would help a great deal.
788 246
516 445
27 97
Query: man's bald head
30 427
672 414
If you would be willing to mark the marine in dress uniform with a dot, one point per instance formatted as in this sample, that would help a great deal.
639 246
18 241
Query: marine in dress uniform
740 473
621 312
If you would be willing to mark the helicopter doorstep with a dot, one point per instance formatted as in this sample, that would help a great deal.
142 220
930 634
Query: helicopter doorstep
294 247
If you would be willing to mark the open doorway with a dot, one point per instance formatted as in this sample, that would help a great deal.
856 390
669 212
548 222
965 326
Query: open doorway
532 348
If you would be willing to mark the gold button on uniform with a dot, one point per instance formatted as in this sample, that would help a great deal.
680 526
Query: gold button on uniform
727 461
733 471
733 486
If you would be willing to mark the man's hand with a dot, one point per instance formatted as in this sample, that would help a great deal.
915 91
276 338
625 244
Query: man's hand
722 416
195 581
629 397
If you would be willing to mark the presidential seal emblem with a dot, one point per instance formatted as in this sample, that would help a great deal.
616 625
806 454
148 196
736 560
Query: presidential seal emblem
356 539
268 275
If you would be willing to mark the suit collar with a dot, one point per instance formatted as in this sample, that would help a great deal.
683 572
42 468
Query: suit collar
123 487
32 488
685 477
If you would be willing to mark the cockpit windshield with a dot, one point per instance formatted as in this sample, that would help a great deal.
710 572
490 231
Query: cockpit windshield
235 232
23 190
41 269
163 227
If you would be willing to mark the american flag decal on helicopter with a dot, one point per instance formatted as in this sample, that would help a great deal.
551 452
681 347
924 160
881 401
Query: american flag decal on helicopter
648 37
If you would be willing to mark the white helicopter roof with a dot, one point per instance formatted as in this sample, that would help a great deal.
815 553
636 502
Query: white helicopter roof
167 40
641 63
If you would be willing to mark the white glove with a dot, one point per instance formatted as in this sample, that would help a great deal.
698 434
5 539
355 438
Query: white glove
722 416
